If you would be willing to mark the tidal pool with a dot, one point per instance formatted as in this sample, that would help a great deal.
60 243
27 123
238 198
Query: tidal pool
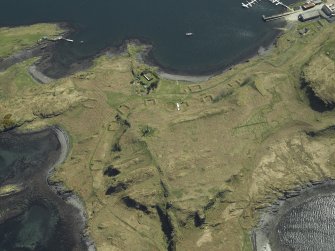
36 218
34 229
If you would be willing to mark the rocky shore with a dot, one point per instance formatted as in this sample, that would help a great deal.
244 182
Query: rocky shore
264 236
38 75
46 69
35 177
34 51
69 196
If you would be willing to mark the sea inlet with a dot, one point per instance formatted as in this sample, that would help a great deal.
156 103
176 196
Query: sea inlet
224 33
303 221
37 215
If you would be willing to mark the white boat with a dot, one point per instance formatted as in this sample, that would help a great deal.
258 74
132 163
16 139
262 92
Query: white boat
189 34
68 40
247 5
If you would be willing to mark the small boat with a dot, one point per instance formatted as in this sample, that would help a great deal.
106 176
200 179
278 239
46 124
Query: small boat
188 34
68 40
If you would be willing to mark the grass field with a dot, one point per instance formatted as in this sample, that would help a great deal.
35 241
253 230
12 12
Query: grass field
15 39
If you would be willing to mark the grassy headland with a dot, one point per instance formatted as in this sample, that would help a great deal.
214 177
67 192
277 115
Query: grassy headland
153 177
18 38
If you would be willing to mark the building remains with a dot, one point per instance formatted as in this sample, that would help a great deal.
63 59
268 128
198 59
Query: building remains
329 10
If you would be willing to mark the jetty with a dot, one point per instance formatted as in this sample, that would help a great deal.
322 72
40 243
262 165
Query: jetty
55 39
277 2
302 13
278 16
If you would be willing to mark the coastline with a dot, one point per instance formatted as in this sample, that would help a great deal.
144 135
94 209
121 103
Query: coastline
145 57
38 186
46 50
186 78
68 196
74 169
270 216
175 75
38 75
41 49
258 50
75 211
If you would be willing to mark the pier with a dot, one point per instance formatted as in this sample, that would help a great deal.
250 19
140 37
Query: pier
278 16
57 39
298 14
277 2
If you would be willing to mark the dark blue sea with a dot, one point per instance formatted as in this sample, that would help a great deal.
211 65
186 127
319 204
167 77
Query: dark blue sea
224 32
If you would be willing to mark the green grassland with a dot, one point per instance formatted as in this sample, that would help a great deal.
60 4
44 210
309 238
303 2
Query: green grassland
15 39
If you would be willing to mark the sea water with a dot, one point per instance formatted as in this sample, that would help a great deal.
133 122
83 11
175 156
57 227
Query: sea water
224 32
